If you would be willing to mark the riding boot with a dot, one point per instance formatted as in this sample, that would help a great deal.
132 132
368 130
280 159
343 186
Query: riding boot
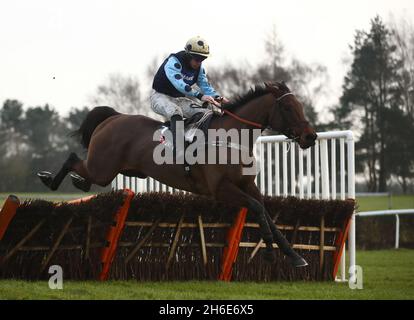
177 134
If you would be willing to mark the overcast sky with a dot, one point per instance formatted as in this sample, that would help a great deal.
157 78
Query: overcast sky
80 42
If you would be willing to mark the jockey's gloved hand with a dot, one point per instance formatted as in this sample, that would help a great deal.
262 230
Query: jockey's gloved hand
216 110
211 100
221 99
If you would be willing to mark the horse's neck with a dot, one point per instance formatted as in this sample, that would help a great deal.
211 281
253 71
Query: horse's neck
256 111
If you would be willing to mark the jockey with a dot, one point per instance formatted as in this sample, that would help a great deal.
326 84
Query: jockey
173 95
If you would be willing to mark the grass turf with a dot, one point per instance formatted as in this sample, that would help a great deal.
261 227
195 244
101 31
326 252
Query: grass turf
387 274
383 203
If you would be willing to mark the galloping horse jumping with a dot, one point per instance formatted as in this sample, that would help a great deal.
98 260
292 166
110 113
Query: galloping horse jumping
120 143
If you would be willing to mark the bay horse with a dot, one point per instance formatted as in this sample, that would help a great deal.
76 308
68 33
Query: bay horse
120 143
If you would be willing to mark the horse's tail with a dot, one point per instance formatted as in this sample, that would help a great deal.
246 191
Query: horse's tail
96 116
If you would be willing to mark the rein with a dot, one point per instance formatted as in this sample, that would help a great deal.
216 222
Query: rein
252 123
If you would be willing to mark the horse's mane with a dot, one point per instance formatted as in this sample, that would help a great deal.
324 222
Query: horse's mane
255 92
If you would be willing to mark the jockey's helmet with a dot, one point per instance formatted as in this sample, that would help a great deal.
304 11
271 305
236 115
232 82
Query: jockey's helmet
197 46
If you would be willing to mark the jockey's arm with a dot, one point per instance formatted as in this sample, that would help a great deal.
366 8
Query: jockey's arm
206 87
173 71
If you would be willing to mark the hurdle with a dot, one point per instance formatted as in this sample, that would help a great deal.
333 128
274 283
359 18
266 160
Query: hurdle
169 236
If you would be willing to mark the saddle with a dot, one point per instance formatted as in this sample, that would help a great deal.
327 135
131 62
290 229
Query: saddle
199 121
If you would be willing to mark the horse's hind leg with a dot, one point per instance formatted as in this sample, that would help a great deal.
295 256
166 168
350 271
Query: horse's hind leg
54 182
99 170
81 179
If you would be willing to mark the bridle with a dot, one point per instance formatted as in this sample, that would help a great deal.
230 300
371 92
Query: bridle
284 95
290 133
252 123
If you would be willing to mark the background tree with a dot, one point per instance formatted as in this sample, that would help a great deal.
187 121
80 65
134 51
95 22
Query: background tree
11 126
230 80
403 35
73 122
306 81
120 92
402 155
14 166
400 147
370 90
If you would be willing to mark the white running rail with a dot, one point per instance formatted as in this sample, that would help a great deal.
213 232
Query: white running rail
396 213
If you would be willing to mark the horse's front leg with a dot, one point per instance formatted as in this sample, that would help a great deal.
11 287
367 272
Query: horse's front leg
232 194
283 244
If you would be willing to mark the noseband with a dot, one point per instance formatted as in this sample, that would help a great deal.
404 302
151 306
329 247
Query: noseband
290 134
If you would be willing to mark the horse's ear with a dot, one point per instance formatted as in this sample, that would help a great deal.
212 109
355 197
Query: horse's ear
272 87
269 84
284 86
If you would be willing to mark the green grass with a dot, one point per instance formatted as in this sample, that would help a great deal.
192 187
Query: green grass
382 203
387 274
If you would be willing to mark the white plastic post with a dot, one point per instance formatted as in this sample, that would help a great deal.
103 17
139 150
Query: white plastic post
333 169
325 169
113 184
269 169
285 174
301 186
120 181
256 155
317 169
277 170
308 173
292 170
351 194
262 171
342 167
397 231
141 185
343 264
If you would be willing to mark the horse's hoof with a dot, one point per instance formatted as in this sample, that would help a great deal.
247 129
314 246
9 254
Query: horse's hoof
269 256
298 262
80 182
46 177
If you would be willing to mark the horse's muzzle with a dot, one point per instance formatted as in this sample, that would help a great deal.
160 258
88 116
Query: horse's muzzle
308 140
